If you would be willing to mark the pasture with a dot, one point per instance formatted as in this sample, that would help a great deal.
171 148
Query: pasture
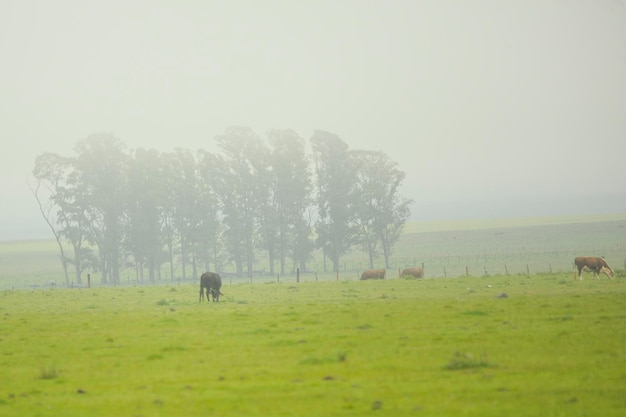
432 347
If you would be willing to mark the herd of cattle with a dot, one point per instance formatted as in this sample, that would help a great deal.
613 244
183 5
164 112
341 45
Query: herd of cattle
211 282
583 264
416 272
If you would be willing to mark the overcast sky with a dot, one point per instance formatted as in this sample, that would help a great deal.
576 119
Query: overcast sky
492 108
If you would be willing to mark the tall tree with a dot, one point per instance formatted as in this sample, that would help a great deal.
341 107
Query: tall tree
380 211
290 198
59 176
335 174
101 165
51 172
209 209
146 202
243 191
182 185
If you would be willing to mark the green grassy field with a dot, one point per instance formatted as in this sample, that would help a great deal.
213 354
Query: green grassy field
431 347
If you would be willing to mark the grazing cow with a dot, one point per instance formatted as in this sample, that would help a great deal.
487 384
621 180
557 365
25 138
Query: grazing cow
373 274
416 272
592 264
212 282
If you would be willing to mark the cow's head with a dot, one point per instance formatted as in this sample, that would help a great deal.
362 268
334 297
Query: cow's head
607 271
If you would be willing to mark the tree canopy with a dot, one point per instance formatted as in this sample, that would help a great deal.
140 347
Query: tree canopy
258 200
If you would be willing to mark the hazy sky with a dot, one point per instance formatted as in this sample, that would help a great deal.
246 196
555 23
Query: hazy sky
492 108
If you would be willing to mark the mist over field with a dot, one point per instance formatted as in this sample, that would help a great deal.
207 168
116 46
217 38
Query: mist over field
492 109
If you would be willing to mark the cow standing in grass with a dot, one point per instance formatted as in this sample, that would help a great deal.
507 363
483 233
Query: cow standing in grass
211 282
592 264
416 272
373 274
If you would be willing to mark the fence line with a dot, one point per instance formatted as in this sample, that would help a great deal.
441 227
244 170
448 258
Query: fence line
482 262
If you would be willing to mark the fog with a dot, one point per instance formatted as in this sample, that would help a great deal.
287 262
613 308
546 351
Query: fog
493 109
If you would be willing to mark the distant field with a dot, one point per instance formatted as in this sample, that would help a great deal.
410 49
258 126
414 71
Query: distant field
503 246
446 249
506 223
543 345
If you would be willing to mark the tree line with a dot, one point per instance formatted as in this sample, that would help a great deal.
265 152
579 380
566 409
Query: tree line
110 208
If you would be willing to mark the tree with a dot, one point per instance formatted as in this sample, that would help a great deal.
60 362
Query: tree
146 202
335 174
290 198
59 176
380 212
181 181
208 207
101 176
51 171
243 190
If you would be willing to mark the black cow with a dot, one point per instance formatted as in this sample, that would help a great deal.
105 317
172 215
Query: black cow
212 282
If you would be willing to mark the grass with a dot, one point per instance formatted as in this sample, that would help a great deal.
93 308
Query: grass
436 347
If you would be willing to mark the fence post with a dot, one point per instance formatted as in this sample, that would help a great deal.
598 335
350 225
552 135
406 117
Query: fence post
297 274
506 269
527 270
466 271
445 274
88 280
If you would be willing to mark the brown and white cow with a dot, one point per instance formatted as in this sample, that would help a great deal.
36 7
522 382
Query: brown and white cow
373 274
592 264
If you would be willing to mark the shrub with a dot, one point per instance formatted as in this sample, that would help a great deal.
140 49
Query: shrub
462 361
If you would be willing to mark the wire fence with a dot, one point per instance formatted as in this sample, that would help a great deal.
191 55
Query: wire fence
512 251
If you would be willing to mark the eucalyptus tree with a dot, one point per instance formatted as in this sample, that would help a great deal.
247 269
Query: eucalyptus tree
380 211
291 190
180 214
335 175
51 172
101 176
208 230
145 237
242 187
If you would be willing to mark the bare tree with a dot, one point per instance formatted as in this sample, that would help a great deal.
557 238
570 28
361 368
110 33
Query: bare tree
49 172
